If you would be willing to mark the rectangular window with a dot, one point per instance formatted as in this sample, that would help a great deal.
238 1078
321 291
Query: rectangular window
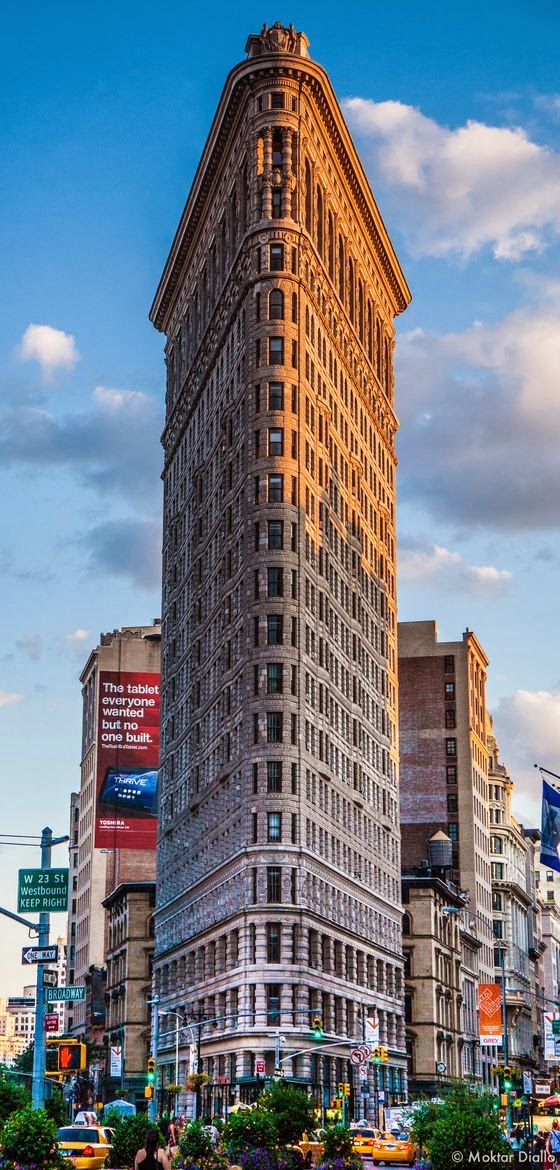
273 883
255 831
274 826
293 732
275 581
452 802
275 395
275 534
277 100
276 351
273 937
450 720
449 664
450 690
276 257
255 779
274 629
451 747
275 441
272 1003
276 202
498 928
294 828
274 672
497 871
257 444
254 889
453 831
451 773
275 489
274 775
255 728
274 726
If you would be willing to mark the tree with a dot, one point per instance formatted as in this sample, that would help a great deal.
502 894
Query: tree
29 1139
128 1136
339 1146
291 1109
465 1122
250 1129
12 1097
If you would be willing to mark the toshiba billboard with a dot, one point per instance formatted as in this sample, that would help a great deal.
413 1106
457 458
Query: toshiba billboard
127 760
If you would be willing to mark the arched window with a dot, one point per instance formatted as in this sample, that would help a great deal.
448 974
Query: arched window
406 924
319 221
378 354
330 246
369 331
276 305
341 268
308 198
360 310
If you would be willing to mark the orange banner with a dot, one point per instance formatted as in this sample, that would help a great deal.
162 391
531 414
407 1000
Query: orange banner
490 1009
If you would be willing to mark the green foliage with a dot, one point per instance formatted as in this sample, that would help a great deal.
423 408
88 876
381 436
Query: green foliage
422 1120
29 1138
12 1097
249 1130
338 1141
291 1109
466 1122
128 1137
196 1149
56 1108
24 1062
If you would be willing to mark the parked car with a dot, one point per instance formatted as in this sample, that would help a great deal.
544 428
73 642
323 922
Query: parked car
86 1146
391 1148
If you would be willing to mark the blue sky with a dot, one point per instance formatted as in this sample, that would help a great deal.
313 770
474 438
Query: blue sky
456 113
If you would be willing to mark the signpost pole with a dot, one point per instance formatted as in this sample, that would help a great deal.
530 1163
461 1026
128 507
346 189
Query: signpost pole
39 1049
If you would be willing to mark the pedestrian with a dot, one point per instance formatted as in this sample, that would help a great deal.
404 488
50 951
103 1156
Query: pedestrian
150 1156
172 1137
212 1130
554 1142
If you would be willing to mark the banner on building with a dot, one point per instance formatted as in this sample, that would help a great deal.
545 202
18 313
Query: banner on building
490 1012
116 1061
127 760
550 827
551 1041
372 1030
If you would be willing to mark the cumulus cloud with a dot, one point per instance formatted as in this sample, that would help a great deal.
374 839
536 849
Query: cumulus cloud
432 565
8 698
128 548
457 191
51 348
77 639
113 447
31 645
527 723
480 421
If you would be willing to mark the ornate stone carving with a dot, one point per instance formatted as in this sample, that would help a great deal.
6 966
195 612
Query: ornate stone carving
277 39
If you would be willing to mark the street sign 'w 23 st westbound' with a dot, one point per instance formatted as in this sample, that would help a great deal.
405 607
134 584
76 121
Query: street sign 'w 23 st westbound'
42 889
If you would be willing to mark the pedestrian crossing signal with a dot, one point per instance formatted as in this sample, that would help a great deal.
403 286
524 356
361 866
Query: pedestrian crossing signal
71 1057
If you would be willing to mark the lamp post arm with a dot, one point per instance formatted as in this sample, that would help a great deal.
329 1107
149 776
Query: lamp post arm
34 926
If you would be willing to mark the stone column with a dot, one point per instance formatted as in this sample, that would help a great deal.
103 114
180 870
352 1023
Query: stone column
267 175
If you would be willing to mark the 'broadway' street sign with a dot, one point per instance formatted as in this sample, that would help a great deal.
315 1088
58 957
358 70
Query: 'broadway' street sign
74 994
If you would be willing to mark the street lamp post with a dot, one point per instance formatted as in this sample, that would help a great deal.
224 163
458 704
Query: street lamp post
501 947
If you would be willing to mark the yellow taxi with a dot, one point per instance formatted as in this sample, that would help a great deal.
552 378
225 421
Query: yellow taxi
390 1147
312 1147
87 1147
362 1140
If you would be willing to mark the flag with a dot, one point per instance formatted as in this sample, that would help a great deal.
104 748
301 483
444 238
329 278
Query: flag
550 829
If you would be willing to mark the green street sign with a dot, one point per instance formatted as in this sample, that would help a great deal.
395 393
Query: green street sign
43 889
68 994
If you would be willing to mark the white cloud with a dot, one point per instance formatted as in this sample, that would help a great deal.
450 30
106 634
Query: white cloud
480 420
52 348
433 565
78 638
527 726
8 698
457 191
117 400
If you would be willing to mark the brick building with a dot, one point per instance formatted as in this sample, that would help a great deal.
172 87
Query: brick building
444 778
278 894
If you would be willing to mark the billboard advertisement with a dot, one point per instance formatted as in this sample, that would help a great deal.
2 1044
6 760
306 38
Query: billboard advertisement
127 760
551 1039
490 1010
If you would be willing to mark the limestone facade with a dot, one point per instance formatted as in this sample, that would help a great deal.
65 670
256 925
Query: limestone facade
278 860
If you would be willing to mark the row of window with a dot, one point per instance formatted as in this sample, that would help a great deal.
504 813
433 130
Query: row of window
274 732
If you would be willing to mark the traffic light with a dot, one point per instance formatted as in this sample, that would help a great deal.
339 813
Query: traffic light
71 1057
507 1081
317 1028
151 1073
380 1055
148 1092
